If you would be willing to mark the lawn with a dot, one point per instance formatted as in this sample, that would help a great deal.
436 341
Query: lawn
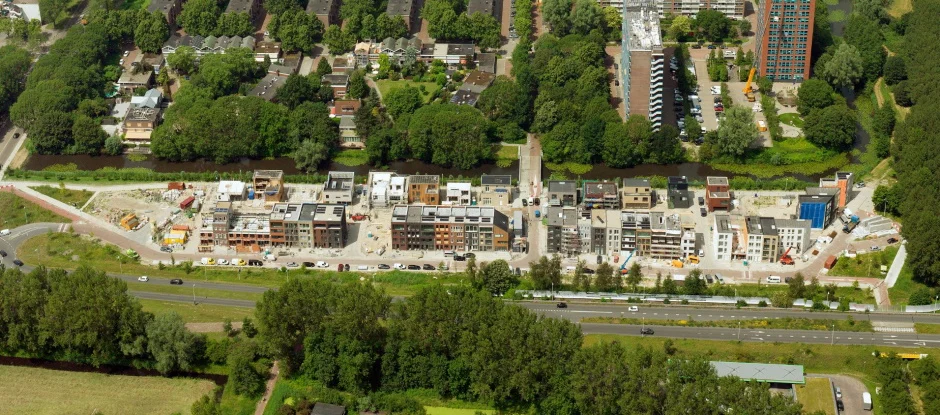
352 158
202 313
792 155
836 16
76 198
506 155
904 286
18 212
56 250
898 8
927 328
26 390
865 265
781 324
427 88
135 4
792 119
816 395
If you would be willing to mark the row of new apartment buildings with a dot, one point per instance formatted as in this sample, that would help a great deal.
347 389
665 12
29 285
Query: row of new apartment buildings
389 189
455 228
759 239
288 225
656 235
635 194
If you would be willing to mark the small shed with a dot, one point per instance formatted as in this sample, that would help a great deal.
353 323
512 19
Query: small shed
830 262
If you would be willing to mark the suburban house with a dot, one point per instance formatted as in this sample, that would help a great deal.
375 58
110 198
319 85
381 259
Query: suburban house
678 192
207 45
562 193
249 7
477 81
343 65
486 62
327 11
339 187
267 87
407 9
346 107
458 193
465 97
425 189
717 193
600 195
386 189
169 8
496 190
637 194
348 136
338 81
271 50
130 81
143 116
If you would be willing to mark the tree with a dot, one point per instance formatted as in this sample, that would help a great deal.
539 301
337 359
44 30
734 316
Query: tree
605 273
151 32
244 374
546 272
556 13
845 69
831 127
36 102
604 282
744 27
902 94
681 25
338 40
884 120
449 135
585 17
297 30
14 64
497 277
52 134
613 22
206 405
694 283
234 24
873 10
634 276
278 7
797 286
895 70
866 35
113 146
693 129
393 27
737 132
310 155
51 10
199 17
324 68
921 296
712 25
580 279
669 286
88 136
403 100
296 90
473 274
183 61
170 343
813 94
357 85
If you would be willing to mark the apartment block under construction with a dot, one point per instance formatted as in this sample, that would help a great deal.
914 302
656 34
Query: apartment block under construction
460 228
642 61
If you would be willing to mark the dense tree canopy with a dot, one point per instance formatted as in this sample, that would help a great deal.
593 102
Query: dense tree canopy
14 63
845 68
831 127
813 94
736 132
296 30
200 17
404 100
151 32
449 135
234 24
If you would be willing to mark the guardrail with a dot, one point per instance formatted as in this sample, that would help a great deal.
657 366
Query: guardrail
696 299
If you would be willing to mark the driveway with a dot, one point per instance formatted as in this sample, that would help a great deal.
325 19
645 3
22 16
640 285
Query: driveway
852 390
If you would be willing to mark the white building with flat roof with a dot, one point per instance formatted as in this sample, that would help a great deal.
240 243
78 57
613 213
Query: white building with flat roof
642 61
230 190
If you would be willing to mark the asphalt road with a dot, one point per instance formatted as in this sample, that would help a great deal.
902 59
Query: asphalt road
771 336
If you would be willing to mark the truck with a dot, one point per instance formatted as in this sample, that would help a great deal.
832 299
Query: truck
849 223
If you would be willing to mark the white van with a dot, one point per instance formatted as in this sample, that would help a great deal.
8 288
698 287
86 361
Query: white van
448 253
773 279
5 232
866 401
270 257
204 261
363 268
569 269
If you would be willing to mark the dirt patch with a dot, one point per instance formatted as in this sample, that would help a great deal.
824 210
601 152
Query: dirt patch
878 95
20 158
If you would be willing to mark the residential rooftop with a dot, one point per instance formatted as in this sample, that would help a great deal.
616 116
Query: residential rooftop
496 180
565 186
636 183
321 7
716 181
760 226
424 179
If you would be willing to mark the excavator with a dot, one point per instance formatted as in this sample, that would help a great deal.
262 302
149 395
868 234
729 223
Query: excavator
748 90
786 259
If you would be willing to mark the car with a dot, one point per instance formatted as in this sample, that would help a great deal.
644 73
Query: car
701 201
143 278
176 281
292 265
5 232
537 202
616 83
238 262
698 117
166 249
892 240
646 331
17 262
322 264
616 66
840 406
703 212
472 255
208 261
561 305
600 260
633 308
719 109
339 267
460 258
788 279
712 47
717 100
222 261
346 267
414 268
678 98
838 393
121 62
875 248
267 33
588 271
714 92
308 264
126 52
3 253
16 135
525 202
428 267
399 266
255 263
697 46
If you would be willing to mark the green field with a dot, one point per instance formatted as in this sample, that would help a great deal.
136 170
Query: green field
352 158
864 265
816 395
781 324
836 16
927 328
904 286
18 212
766 290
76 198
41 391
792 119
56 250
506 155
202 313
386 86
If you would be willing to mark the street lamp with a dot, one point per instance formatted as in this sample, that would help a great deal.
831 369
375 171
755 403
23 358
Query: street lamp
832 341
739 331
194 294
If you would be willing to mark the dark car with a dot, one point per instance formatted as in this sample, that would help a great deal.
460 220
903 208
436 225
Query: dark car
428 267
600 260
561 305
345 267
3 253
701 201
176 281
460 258
470 255
892 240
384 266
525 202
840 406
339 267
16 135
166 249
414 268
255 263
696 46
646 331
17 262
308 264
788 279
537 202
703 212
588 271
712 47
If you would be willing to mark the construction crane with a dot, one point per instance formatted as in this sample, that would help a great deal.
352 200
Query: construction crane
786 259
748 90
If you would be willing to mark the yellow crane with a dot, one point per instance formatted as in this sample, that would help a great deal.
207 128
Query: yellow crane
748 91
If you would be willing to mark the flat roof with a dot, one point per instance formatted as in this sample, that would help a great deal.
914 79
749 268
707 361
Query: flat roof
562 186
636 183
761 372
490 7
602 188
486 62
162 6
424 179
339 180
642 21
267 87
239 6
267 47
496 179
327 409
336 79
562 216
479 78
465 97
716 181
761 225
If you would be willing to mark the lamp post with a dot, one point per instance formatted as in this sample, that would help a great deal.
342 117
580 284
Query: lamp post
194 294
832 341
739 331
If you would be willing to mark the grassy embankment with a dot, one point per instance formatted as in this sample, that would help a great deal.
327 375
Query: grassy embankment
816 395
76 198
351 157
17 211
864 265
26 390
202 313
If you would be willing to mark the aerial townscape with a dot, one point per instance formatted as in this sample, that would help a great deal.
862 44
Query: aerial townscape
470 207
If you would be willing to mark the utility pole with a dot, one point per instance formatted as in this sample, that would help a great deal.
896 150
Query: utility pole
194 294
832 341
739 331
